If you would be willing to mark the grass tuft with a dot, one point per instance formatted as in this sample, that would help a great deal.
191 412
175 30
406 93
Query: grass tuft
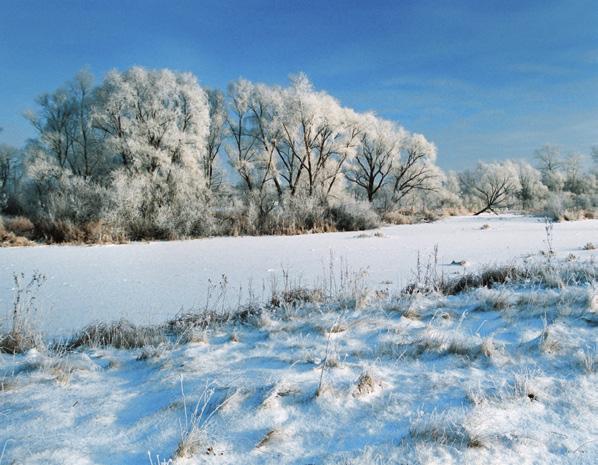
120 335
23 334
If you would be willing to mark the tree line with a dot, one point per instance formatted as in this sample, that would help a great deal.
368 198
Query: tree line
151 154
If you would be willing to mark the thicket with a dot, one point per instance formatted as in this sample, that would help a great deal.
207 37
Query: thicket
150 154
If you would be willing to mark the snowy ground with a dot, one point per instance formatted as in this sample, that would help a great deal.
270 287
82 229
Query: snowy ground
501 375
149 282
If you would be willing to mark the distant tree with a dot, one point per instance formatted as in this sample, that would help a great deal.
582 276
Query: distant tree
549 158
549 162
574 177
493 184
376 155
416 170
215 138
242 148
530 188
10 174
317 135
64 126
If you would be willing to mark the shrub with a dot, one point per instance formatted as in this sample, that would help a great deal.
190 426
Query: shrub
354 216
300 213
20 225
154 206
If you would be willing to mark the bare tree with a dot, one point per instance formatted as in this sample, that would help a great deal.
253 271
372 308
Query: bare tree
573 173
54 122
318 137
376 155
8 174
416 169
549 158
215 138
65 131
243 149
492 184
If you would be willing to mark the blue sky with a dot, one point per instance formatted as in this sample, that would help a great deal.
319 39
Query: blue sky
482 79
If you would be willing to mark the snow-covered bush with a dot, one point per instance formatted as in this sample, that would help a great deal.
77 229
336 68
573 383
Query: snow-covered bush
352 215
297 213
155 205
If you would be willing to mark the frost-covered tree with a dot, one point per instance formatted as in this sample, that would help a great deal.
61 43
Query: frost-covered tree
530 191
10 175
209 162
157 123
243 148
317 137
68 160
549 162
376 154
153 118
141 153
548 157
144 206
416 170
65 131
493 185
575 180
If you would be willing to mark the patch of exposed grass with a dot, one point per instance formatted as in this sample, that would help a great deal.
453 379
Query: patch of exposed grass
440 428
366 384
120 335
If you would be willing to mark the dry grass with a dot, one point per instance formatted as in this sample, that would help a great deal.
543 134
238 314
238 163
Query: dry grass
588 359
440 429
120 335
189 323
549 343
194 431
297 296
487 278
66 232
366 384
20 226
432 341
23 334
571 273
10 239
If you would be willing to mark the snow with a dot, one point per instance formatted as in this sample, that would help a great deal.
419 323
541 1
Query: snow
497 376
150 282
501 375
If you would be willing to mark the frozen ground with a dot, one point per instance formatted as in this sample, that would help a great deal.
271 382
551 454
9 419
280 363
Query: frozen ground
149 282
500 375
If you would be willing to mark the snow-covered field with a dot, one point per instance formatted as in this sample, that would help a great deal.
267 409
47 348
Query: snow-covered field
149 282
501 375
352 371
